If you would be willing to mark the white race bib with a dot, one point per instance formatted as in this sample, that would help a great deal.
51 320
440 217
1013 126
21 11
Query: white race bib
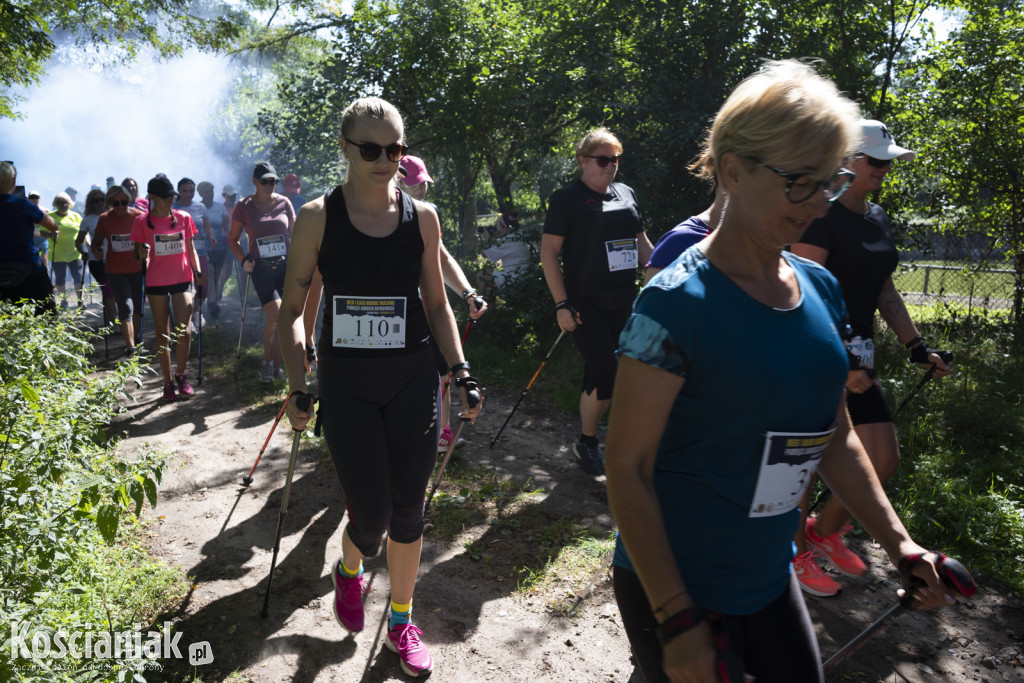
366 323
169 245
121 243
622 254
272 246
787 465
863 349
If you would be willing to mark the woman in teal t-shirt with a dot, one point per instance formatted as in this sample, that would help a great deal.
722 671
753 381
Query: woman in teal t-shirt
729 397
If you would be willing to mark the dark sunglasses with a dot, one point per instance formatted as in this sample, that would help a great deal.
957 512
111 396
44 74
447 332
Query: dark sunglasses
268 181
120 202
370 151
877 163
603 161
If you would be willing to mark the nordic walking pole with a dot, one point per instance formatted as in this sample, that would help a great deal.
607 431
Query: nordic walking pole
952 573
947 356
448 379
199 379
527 389
142 307
106 339
304 401
247 479
241 326
474 399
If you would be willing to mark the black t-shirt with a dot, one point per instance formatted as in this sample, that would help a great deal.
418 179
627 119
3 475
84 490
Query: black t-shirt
364 280
596 228
861 254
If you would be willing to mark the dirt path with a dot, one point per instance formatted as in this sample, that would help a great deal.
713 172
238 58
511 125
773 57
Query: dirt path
478 629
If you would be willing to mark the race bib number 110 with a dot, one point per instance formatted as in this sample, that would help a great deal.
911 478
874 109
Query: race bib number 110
369 323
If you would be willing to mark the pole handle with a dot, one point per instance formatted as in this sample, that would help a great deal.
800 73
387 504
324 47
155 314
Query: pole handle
303 402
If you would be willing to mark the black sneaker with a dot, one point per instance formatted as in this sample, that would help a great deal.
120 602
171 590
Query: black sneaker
590 457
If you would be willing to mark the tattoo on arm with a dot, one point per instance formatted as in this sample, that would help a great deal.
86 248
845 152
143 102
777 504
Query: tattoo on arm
304 282
894 305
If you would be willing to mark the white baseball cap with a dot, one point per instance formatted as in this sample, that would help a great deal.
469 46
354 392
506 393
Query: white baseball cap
877 142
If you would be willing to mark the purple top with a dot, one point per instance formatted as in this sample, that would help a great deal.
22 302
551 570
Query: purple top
266 228
677 240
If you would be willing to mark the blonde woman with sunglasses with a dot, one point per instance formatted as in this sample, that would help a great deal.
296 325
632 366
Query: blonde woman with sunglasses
596 226
379 253
267 218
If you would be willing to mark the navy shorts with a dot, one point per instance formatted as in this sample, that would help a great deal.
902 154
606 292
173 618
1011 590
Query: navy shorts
869 407
268 279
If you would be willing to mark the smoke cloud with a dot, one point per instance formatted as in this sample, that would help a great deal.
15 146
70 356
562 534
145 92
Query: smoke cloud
83 124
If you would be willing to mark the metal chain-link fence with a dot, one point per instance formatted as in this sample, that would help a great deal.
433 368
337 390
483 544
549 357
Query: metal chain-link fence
971 271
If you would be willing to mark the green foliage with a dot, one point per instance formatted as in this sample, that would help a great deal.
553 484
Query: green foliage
958 488
63 491
963 107
114 30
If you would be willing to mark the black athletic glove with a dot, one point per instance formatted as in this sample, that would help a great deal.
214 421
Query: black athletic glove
919 351
952 573
472 386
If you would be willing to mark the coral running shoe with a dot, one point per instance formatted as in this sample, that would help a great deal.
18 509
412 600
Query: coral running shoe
842 558
404 640
348 600
813 578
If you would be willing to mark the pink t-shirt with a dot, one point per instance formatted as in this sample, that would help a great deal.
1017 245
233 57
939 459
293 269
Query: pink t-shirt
269 232
168 247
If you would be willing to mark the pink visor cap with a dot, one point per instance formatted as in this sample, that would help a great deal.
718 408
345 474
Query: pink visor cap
415 170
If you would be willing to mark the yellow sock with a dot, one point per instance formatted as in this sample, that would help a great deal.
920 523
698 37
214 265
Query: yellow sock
348 573
400 614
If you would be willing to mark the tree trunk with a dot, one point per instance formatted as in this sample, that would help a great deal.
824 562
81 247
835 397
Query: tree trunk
466 172
502 184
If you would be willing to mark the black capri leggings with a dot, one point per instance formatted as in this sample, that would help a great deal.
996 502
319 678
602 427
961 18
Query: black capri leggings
380 422
597 338
775 644
127 289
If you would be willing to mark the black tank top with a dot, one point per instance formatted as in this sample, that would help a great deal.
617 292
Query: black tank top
365 279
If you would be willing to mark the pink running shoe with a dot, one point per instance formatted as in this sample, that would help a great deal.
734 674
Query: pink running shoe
445 442
184 387
813 578
412 653
832 547
446 439
169 393
348 600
